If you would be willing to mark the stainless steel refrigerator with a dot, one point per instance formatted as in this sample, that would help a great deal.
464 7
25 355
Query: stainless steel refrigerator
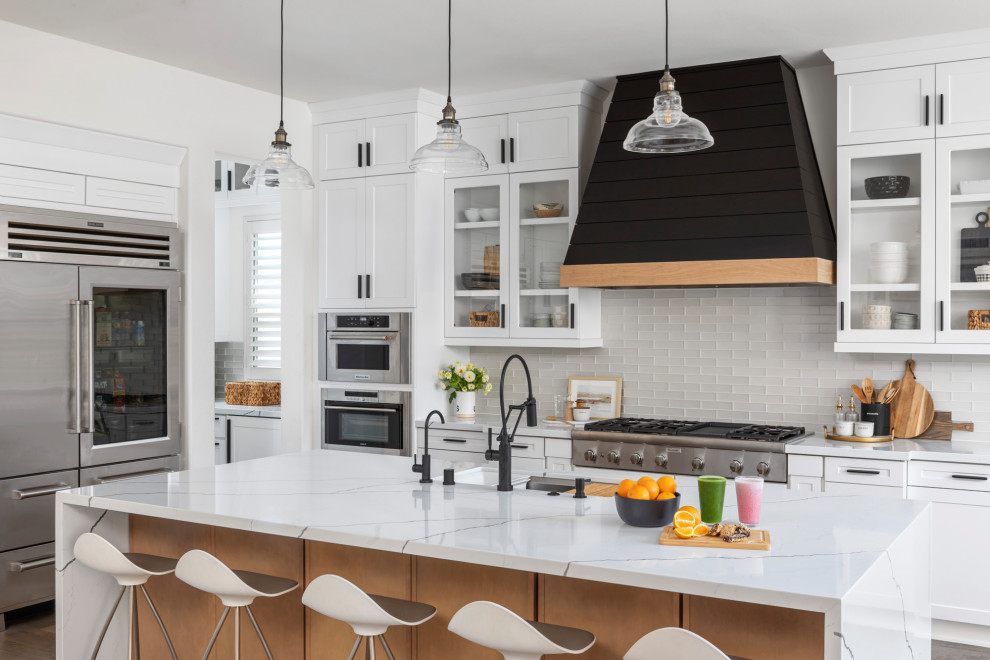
90 372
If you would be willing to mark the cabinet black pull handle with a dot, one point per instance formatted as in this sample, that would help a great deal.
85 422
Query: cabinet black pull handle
941 315
359 287
367 153
928 103
512 150
842 315
501 317
360 156
572 316
367 286
460 440
520 446
855 471
941 108
503 150
971 477
230 180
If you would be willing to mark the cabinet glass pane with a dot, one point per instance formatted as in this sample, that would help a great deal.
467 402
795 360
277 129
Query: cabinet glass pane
240 170
129 365
969 241
548 195
477 257
542 248
545 311
885 310
477 311
218 175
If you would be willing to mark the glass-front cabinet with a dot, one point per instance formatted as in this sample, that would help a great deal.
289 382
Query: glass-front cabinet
507 236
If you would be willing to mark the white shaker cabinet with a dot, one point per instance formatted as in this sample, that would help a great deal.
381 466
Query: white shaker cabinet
886 105
491 136
366 242
254 437
366 147
129 196
544 139
963 97
28 183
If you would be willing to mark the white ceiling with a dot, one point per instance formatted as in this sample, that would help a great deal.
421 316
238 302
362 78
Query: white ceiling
336 49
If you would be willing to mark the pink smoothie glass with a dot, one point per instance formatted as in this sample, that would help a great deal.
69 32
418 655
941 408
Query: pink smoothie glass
749 497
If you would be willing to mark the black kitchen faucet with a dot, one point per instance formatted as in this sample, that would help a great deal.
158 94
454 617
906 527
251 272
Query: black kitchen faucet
504 452
424 467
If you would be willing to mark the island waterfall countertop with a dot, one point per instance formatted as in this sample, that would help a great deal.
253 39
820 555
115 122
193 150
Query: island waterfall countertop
822 545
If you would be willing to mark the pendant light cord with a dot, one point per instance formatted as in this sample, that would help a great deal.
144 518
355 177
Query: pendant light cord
281 65
450 37
666 35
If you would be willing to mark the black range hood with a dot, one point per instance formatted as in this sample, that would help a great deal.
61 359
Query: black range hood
749 211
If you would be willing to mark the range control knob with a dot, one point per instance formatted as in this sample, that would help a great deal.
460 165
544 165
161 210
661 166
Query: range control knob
763 469
661 460
591 455
736 466
637 459
613 456
698 463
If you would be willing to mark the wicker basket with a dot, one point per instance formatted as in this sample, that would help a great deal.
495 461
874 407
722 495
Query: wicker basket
253 393
548 213
493 263
484 319
979 319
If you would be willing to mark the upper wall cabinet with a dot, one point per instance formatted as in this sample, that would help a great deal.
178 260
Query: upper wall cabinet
914 103
526 141
367 147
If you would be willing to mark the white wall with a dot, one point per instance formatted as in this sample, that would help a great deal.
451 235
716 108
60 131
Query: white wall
53 79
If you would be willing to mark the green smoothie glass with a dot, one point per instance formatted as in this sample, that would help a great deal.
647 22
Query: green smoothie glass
711 492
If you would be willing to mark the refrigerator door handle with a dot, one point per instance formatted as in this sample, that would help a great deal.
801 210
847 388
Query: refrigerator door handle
88 379
75 393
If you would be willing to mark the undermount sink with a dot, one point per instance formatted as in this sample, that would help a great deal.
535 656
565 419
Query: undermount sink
552 484
486 476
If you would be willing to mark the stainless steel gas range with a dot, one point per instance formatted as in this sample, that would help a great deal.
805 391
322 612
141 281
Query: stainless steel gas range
681 447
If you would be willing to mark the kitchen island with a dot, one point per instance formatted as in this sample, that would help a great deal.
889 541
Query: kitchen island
847 576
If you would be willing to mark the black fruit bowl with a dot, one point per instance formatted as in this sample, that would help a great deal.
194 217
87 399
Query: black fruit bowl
887 187
479 281
647 513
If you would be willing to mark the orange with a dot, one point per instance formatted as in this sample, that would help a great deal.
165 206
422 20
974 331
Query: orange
701 530
666 496
693 511
650 485
667 484
685 519
624 486
638 493
684 532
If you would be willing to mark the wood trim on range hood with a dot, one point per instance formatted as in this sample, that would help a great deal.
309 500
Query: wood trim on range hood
800 271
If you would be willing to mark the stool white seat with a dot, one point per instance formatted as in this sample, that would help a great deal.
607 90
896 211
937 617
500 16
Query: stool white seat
370 616
235 589
674 643
495 627
131 570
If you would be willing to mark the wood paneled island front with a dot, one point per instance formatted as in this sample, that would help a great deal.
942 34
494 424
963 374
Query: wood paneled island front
845 574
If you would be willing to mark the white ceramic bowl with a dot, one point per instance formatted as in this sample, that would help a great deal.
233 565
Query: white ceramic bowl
472 215
845 428
863 429
490 214
581 414
876 323
876 309
889 274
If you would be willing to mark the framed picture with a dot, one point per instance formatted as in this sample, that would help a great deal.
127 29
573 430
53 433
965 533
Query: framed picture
603 395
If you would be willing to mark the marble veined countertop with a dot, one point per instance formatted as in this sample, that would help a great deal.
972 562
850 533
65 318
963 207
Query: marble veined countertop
822 545
543 429
954 451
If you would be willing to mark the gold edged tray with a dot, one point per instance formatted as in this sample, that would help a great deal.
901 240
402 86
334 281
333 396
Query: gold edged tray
856 438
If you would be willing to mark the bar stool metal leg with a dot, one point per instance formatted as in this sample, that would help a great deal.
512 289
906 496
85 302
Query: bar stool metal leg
213 640
159 620
354 650
388 651
134 624
257 629
106 626
369 648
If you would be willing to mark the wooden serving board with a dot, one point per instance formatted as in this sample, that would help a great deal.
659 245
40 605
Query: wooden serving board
759 539
942 427
912 410
598 490
856 438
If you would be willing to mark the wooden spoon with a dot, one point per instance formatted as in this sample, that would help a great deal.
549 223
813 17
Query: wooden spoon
869 390
860 394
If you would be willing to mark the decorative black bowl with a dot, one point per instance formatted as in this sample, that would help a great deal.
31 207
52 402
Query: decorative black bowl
887 187
647 513
479 281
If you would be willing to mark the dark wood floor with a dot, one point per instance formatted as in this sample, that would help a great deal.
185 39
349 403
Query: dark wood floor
30 635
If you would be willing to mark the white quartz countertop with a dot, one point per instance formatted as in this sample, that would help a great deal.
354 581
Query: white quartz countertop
482 422
822 545
221 407
953 451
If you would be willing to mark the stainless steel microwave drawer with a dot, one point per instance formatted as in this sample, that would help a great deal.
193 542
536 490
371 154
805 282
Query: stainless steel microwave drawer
27 508
27 576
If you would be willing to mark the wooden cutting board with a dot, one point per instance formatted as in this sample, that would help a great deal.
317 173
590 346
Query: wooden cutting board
598 490
943 426
912 410
759 539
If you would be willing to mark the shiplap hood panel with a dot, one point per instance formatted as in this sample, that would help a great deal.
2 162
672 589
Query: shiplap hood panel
751 210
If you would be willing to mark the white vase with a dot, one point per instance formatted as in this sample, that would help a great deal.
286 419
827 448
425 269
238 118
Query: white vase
464 402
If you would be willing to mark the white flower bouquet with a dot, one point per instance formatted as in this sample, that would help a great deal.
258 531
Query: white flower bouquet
468 377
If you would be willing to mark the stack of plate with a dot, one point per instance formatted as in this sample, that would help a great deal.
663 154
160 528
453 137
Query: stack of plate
550 275
541 320
888 262
876 317
905 321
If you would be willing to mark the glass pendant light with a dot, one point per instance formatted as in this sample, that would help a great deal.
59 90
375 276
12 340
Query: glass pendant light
668 130
278 170
448 153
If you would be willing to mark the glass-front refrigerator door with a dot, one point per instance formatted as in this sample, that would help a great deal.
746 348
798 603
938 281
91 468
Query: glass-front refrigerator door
134 364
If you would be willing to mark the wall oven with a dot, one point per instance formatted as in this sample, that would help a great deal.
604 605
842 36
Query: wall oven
367 420
367 348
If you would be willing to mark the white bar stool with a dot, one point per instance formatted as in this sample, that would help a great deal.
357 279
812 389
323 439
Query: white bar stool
494 627
368 615
235 589
131 570
674 642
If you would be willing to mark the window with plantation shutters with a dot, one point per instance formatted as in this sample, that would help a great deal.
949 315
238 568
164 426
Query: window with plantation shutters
263 346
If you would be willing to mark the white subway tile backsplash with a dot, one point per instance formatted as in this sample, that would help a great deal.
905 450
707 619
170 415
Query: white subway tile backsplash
735 355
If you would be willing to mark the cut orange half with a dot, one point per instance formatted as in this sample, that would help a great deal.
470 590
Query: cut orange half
684 532
685 519
701 530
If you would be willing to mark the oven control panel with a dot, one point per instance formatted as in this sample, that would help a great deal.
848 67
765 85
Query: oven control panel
377 321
